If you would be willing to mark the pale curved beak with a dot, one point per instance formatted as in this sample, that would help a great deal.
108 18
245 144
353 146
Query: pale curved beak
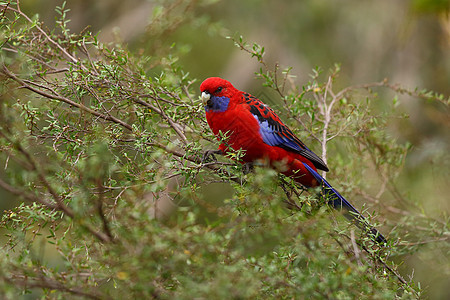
205 97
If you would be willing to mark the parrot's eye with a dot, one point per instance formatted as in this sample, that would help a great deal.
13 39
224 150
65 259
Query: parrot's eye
219 89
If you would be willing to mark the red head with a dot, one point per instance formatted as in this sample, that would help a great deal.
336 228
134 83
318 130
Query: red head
216 86
215 91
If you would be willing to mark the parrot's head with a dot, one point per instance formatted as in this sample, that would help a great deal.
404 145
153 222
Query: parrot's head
217 94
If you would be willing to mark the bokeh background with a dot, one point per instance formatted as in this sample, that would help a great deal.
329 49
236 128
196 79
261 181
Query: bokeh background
407 42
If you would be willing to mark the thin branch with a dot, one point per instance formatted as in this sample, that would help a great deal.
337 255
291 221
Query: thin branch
380 260
100 212
186 92
195 159
442 239
376 257
59 203
57 45
312 134
325 109
28 197
34 167
50 70
172 124
86 51
355 247
66 100
47 283
148 105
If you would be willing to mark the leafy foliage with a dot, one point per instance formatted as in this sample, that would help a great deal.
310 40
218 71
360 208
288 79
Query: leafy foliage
100 143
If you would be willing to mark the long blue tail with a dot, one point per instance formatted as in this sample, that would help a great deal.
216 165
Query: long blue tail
339 202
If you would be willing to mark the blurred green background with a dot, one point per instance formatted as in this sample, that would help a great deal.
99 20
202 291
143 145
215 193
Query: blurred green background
407 42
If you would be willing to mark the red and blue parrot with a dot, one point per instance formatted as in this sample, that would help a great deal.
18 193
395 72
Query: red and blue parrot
252 126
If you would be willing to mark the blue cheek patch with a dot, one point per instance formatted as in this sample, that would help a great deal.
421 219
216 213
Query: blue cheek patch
219 104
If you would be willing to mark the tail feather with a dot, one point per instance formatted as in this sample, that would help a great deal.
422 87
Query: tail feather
339 202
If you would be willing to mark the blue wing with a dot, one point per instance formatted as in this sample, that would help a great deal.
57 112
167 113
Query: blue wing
275 133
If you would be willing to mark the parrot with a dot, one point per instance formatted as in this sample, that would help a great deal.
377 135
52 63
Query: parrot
252 126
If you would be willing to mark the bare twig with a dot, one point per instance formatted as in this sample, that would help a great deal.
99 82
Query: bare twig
51 284
325 109
355 247
28 197
100 212
175 126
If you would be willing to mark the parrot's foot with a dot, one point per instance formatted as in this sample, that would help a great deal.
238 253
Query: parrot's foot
248 167
210 154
